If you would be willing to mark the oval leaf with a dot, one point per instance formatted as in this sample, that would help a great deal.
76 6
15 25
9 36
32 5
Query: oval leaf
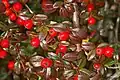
88 46
70 56
35 61
91 55
40 17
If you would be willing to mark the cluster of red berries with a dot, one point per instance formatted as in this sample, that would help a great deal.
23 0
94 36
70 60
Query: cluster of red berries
62 36
90 8
5 44
61 49
107 51
45 63
12 13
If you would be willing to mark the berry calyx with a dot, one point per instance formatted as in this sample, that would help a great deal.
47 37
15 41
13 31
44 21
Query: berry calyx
8 12
17 6
12 16
63 36
52 32
11 65
3 54
90 7
45 63
99 51
4 43
28 24
108 51
91 20
20 21
35 42
97 66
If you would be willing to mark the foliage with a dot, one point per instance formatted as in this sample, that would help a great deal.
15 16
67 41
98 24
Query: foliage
84 38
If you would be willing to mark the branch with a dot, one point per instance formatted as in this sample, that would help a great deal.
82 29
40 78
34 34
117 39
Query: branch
117 25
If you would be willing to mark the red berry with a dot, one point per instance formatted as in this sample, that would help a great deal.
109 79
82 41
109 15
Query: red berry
20 21
96 66
108 51
3 54
45 63
17 6
63 49
8 11
91 20
52 32
6 3
99 51
90 7
12 16
75 77
28 24
35 42
4 43
63 36
11 65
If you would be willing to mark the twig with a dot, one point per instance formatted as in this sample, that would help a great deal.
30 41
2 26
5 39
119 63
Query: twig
6 33
113 67
117 25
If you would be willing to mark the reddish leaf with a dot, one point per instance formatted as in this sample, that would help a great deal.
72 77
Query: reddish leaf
2 9
70 56
63 12
59 27
81 33
88 46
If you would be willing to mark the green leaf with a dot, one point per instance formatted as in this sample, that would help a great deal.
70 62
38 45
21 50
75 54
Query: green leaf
39 78
82 62
30 48
109 62
3 76
24 43
53 56
86 71
28 51
3 26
